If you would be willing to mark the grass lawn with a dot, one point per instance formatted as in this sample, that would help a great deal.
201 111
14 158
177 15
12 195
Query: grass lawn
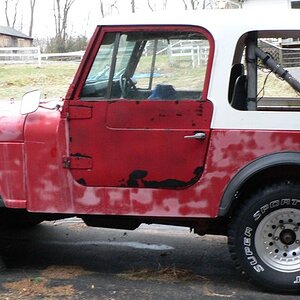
274 86
53 79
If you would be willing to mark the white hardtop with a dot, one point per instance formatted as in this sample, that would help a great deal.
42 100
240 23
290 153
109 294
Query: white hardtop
233 20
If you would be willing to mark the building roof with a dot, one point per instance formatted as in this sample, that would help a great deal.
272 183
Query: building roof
4 30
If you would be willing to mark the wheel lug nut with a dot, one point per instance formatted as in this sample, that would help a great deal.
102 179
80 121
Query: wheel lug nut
282 227
286 247
296 228
276 238
298 242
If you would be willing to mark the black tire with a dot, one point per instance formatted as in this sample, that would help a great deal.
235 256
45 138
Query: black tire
264 237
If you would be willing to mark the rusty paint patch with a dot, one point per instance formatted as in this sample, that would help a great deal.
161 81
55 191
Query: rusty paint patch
137 179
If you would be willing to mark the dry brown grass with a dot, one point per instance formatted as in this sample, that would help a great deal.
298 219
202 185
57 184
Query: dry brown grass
167 274
30 288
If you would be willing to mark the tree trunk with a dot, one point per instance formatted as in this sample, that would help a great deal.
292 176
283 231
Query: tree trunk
133 6
7 5
185 5
32 7
6 13
102 9
165 3
15 13
194 4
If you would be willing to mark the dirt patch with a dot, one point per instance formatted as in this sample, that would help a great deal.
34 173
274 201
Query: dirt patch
64 272
41 286
169 274
28 288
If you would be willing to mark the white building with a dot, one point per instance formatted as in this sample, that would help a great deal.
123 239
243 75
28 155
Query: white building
274 4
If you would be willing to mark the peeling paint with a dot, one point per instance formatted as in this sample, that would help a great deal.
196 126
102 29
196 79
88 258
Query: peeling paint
137 179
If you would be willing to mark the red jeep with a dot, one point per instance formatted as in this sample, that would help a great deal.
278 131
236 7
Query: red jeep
193 123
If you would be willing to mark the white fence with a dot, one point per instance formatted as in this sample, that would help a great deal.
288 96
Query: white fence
33 55
193 51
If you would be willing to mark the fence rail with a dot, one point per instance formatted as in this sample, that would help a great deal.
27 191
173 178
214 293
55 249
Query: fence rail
195 52
32 55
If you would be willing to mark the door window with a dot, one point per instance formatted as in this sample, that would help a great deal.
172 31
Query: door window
163 65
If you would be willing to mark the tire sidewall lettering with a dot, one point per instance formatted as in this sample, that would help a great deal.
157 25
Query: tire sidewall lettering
251 258
264 209
249 251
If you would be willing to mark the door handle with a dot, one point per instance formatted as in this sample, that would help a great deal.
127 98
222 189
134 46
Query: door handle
197 136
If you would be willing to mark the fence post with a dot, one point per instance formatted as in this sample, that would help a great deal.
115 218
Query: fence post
39 56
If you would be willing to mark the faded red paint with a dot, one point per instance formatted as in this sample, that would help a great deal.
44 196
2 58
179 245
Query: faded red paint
149 138
56 191
11 124
110 140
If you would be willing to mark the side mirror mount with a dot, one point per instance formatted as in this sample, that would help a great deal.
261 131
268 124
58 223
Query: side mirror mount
30 102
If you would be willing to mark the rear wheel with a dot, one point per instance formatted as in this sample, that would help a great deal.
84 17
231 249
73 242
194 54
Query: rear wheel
264 237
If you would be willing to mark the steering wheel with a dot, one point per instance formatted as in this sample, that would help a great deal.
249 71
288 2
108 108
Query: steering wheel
125 85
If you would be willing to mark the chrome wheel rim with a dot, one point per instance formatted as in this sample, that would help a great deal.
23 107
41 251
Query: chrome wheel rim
277 240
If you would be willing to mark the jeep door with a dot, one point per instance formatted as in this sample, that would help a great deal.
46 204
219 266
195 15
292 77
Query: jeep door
138 112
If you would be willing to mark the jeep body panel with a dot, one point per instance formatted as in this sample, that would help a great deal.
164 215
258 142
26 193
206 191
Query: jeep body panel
232 141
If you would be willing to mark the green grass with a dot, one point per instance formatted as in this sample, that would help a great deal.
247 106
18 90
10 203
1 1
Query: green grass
275 87
178 73
52 79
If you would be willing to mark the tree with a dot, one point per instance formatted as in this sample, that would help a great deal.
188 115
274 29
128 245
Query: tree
152 4
132 2
61 10
32 7
108 9
194 4
11 6
165 3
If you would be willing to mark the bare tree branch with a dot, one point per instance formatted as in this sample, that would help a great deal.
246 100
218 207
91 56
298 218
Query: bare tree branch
114 6
149 5
108 9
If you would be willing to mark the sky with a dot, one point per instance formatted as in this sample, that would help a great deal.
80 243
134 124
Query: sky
83 17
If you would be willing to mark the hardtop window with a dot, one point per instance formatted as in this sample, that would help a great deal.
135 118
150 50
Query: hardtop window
265 74
295 4
162 65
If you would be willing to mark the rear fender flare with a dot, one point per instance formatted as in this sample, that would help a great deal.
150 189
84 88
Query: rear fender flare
252 169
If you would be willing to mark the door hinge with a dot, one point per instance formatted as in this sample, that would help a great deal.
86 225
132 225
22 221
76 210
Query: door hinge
79 112
77 162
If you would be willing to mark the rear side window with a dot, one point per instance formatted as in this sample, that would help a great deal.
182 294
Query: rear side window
265 73
149 65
